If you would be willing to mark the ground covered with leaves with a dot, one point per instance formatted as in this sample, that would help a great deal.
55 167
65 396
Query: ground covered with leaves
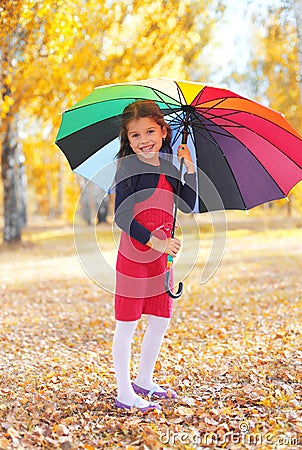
233 352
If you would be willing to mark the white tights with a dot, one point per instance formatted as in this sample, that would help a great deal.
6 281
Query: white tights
122 352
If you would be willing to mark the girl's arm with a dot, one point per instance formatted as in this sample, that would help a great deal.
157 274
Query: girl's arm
188 189
188 193
124 205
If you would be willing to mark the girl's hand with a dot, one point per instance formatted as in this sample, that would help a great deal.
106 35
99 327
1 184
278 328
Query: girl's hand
184 152
170 246
173 246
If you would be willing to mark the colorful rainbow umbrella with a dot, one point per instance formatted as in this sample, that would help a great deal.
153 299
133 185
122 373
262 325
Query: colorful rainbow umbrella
250 152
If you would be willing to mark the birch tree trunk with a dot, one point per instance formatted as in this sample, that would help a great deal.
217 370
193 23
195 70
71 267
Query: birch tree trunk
21 185
298 13
12 167
60 186
101 209
85 199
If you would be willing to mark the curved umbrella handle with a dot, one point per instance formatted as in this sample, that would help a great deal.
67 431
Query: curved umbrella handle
167 286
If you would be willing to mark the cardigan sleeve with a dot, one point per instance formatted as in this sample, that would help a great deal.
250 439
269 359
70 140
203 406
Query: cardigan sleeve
188 193
124 206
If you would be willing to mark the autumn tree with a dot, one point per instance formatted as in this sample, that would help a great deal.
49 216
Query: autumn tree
54 53
277 64
23 35
11 38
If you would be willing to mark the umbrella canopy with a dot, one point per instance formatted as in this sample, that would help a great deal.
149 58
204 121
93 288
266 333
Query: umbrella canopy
250 152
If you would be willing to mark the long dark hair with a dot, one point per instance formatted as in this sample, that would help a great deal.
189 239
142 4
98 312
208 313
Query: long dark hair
135 111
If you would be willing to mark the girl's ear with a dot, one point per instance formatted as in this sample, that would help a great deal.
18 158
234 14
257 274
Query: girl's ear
164 132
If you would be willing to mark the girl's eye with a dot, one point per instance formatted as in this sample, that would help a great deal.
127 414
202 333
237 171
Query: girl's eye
151 131
134 135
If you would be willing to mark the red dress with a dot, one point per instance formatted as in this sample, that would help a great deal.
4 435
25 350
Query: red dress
140 270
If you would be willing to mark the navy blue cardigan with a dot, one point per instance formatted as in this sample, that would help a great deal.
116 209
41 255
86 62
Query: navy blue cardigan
136 181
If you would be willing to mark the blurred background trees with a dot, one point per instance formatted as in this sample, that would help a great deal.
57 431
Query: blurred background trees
277 62
53 53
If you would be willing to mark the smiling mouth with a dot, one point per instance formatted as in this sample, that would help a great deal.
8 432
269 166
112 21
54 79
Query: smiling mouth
147 149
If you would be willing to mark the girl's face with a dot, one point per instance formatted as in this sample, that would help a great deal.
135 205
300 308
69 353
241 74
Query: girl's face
145 138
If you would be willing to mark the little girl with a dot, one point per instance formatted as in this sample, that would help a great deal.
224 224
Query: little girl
145 187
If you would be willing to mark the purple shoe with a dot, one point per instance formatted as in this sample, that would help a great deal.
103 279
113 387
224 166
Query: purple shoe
168 392
150 407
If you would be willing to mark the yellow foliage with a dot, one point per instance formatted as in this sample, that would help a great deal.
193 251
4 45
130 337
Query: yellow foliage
277 58
281 67
55 52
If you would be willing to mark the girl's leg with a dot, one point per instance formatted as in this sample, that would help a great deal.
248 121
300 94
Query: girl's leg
150 350
121 358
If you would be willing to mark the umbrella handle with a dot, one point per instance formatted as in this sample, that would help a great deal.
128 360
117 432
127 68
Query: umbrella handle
167 284
170 293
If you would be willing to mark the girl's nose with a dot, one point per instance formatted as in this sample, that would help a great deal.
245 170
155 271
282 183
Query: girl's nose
144 139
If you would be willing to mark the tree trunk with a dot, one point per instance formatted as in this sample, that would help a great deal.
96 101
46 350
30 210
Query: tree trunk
11 183
50 200
60 186
100 208
298 13
21 185
85 199
102 211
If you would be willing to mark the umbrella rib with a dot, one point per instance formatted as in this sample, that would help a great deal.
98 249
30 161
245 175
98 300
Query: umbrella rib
214 106
225 116
112 100
196 100
255 157
222 99
193 129
179 93
234 137
177 113
246 112
226 160
157 92
238 125
179 132
201 126
191 132
180 121
177 135
177 123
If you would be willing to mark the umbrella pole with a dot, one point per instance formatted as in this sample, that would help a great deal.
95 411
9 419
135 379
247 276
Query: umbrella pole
170 259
